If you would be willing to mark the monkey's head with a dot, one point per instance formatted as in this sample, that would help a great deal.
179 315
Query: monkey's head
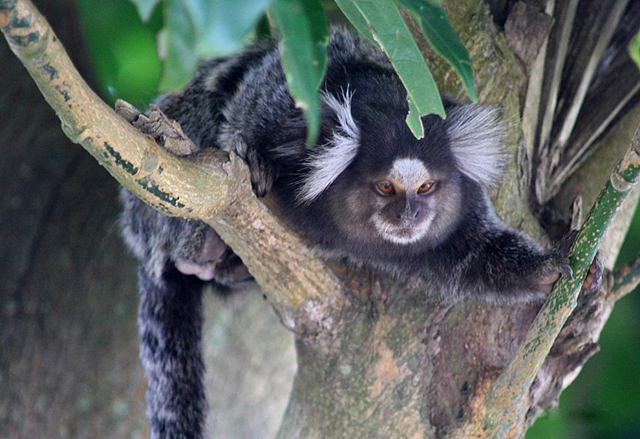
383 187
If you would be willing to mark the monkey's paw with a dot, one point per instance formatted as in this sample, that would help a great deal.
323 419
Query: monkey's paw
228 270
165 131
558 262
551 273
263 173
213 260
593 279
591 282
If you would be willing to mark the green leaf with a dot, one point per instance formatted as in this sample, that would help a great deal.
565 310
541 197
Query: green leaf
351 11
304 33
178 39
223 26
145 8
390 31
413 119
634 49
443 38
197 29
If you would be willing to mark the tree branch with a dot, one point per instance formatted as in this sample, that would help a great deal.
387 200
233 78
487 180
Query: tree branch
625 280
133 158
210 185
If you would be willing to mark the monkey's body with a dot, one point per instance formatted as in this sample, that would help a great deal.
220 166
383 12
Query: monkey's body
369 192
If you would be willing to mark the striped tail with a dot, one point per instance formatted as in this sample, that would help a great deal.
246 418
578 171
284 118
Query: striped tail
170 320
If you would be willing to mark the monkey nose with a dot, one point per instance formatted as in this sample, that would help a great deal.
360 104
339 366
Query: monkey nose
420 213
414 212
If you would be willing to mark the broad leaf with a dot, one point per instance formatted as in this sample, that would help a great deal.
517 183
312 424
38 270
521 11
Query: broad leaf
223 26
634 49
177 40
443 38
304 38
414 120
145 8
197 29
390 31
351 11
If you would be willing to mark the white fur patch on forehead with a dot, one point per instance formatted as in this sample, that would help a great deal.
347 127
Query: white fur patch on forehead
327 162
409 172
477 134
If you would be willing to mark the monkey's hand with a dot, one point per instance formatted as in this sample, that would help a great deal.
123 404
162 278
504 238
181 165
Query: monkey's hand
165 131
593 279
591 282
559 264
206 256
263 172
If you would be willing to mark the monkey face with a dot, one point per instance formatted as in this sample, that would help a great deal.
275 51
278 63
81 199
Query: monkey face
384 191
408 202
406 205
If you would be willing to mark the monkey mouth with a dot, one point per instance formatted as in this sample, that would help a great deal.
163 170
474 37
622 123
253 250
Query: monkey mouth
405 233
402 235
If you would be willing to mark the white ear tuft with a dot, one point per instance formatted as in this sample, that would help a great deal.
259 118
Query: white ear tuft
328 161
477 134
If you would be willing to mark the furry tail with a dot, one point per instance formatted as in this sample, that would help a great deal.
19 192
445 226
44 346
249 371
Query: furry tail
170 320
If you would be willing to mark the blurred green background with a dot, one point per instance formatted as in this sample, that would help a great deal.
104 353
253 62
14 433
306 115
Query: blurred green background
602 403
123 49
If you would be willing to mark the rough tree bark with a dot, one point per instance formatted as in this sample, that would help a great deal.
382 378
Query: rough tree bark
375 358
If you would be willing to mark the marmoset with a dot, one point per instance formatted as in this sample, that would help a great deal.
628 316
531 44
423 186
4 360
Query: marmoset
368 191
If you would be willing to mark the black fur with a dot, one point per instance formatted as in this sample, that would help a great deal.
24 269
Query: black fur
170 319
243 100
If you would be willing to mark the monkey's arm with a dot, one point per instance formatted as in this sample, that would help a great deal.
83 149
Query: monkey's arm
515 267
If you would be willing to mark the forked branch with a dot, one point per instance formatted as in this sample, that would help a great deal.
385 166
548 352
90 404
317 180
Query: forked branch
210 186
625 280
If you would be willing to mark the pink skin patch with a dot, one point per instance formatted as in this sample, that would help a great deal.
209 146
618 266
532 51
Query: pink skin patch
203 271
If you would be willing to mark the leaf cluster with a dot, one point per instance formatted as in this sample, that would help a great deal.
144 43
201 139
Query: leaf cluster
197 29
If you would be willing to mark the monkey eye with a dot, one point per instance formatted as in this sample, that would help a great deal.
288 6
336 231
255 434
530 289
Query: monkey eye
385 187
427 187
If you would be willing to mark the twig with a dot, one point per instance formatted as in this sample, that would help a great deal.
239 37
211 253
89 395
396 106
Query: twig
625 280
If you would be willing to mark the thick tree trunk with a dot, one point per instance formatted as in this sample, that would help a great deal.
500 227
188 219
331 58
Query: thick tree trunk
405 366
408 367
